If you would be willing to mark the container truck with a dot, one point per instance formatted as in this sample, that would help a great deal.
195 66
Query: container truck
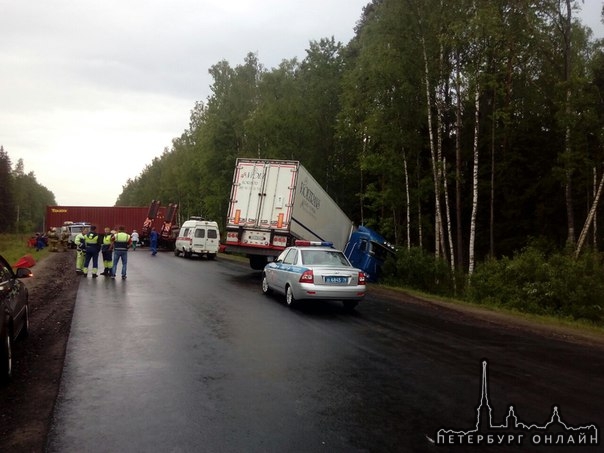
131 217
275 202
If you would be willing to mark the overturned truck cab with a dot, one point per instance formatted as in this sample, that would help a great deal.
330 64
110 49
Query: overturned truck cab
368 251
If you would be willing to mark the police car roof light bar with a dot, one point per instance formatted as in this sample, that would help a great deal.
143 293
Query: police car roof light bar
301 243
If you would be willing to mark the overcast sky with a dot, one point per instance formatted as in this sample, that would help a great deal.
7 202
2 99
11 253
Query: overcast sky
91 92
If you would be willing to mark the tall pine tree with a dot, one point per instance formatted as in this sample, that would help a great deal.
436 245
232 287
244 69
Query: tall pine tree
7 204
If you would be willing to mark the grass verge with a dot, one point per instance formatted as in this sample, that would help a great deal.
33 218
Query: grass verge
583 326
14 246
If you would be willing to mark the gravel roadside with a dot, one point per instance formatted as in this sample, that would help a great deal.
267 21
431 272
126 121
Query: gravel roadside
26 403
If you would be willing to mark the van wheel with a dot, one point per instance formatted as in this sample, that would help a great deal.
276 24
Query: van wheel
211 256
176 252
188 254
6 358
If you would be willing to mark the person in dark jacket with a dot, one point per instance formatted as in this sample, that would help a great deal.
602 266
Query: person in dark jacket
40 242
93 247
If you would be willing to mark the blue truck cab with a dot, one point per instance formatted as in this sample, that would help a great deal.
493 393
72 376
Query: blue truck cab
367 249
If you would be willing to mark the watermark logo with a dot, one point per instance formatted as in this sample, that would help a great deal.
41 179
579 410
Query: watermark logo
554 431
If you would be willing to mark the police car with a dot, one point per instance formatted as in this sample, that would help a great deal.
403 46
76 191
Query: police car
314 270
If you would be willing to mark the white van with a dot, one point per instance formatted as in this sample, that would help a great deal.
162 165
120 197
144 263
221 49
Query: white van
199 237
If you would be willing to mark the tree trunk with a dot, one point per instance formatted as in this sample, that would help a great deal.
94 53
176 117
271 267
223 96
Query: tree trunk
437 217
420 235
408 200
437 225
595 222
567 144
589 219
458 203
471 257
451 245
439 98
492 197
361 178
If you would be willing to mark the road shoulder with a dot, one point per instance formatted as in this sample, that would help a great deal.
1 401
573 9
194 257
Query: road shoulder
546 327
26 404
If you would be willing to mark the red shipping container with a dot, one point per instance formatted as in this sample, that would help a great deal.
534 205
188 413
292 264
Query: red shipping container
131 217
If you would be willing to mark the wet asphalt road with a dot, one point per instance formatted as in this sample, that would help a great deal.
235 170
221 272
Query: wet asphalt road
189 356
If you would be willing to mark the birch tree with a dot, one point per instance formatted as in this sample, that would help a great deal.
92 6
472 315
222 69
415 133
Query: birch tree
471 250
433 137
590 218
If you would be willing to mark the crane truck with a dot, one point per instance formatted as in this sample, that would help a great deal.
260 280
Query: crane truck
168 230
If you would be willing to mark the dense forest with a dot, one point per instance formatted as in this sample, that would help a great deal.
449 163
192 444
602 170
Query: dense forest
465 128
23 200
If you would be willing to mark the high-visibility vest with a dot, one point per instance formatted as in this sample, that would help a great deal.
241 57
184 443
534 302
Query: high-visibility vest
79 239
91 238
107 238
121 241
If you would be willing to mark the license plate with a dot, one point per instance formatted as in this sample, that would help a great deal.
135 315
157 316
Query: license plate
336 280
256 238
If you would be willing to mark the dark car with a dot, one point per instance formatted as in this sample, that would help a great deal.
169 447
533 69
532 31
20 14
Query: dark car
14 310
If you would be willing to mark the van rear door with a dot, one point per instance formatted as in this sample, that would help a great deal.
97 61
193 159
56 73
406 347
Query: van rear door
212 240
199 239
206 240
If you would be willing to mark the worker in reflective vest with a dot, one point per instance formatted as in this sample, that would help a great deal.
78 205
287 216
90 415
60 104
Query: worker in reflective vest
80 244
121 244
93 246
107 252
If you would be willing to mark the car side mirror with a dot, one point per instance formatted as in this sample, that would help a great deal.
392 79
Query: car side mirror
24 272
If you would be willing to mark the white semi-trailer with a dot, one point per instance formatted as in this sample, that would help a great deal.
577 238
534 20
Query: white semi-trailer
275 202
